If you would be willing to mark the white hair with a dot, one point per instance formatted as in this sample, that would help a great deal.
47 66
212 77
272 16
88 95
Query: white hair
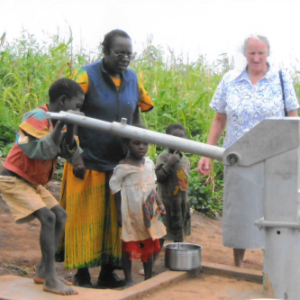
257 37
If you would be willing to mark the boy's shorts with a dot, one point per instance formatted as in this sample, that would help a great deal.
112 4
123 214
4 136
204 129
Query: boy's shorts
24 198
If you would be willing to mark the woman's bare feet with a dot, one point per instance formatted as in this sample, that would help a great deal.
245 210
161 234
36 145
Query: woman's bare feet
238 256
128 284
55 286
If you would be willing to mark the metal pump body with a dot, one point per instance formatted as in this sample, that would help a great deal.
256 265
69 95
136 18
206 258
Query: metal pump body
266 160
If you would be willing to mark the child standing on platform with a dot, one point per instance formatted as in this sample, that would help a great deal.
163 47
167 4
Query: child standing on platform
139 208
172 171
31 163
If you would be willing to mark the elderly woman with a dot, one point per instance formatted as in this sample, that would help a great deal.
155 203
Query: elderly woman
92 236
243 100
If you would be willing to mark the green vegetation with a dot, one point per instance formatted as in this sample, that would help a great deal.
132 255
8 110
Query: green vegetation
22 271
181 91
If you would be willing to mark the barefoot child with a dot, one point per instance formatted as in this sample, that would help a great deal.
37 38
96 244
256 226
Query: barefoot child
30 164
172 171
139 209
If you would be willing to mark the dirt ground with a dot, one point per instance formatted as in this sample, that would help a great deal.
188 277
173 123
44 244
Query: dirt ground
210 287
20 252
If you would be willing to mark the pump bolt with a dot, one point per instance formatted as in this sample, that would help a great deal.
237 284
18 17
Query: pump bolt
232 158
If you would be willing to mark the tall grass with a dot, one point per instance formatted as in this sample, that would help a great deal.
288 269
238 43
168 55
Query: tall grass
181 91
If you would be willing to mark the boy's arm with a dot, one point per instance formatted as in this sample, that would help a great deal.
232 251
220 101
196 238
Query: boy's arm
162 172
39 145
56 135
70 136
77 161
164 167
70 152
37 142
70 149
72 130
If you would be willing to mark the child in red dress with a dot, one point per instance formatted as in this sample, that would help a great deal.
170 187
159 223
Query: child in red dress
139 209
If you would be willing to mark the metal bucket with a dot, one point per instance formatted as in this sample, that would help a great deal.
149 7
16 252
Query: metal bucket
182 256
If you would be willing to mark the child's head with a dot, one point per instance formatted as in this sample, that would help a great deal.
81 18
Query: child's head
137 148
65 94
176 130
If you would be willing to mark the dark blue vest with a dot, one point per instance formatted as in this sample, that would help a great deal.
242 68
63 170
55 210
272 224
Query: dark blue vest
103 101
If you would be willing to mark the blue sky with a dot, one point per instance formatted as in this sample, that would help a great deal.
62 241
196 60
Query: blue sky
191 27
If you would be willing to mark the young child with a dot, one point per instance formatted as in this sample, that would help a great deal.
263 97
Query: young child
139 208
30 164
172 171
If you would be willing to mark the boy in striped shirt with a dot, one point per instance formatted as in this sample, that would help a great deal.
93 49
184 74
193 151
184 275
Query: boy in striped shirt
31 163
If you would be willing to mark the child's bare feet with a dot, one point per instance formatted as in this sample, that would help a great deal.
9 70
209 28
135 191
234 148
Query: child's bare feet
39 280
39 277
55 286
141 272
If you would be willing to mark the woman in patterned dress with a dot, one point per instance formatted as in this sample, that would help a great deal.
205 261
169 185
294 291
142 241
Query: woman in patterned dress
92 237
242 100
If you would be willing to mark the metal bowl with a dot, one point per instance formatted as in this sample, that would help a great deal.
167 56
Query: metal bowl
182 256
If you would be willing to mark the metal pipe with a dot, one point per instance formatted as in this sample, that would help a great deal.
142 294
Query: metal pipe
148 136
261 223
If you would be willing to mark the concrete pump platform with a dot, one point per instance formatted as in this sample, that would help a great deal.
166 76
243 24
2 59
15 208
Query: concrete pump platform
22 288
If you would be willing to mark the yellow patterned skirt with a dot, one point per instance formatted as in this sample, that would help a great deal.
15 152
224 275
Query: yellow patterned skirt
91 237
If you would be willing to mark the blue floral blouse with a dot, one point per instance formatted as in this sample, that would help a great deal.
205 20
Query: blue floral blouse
246 104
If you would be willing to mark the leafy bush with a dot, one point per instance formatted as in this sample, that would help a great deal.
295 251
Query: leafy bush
204 196
7 137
